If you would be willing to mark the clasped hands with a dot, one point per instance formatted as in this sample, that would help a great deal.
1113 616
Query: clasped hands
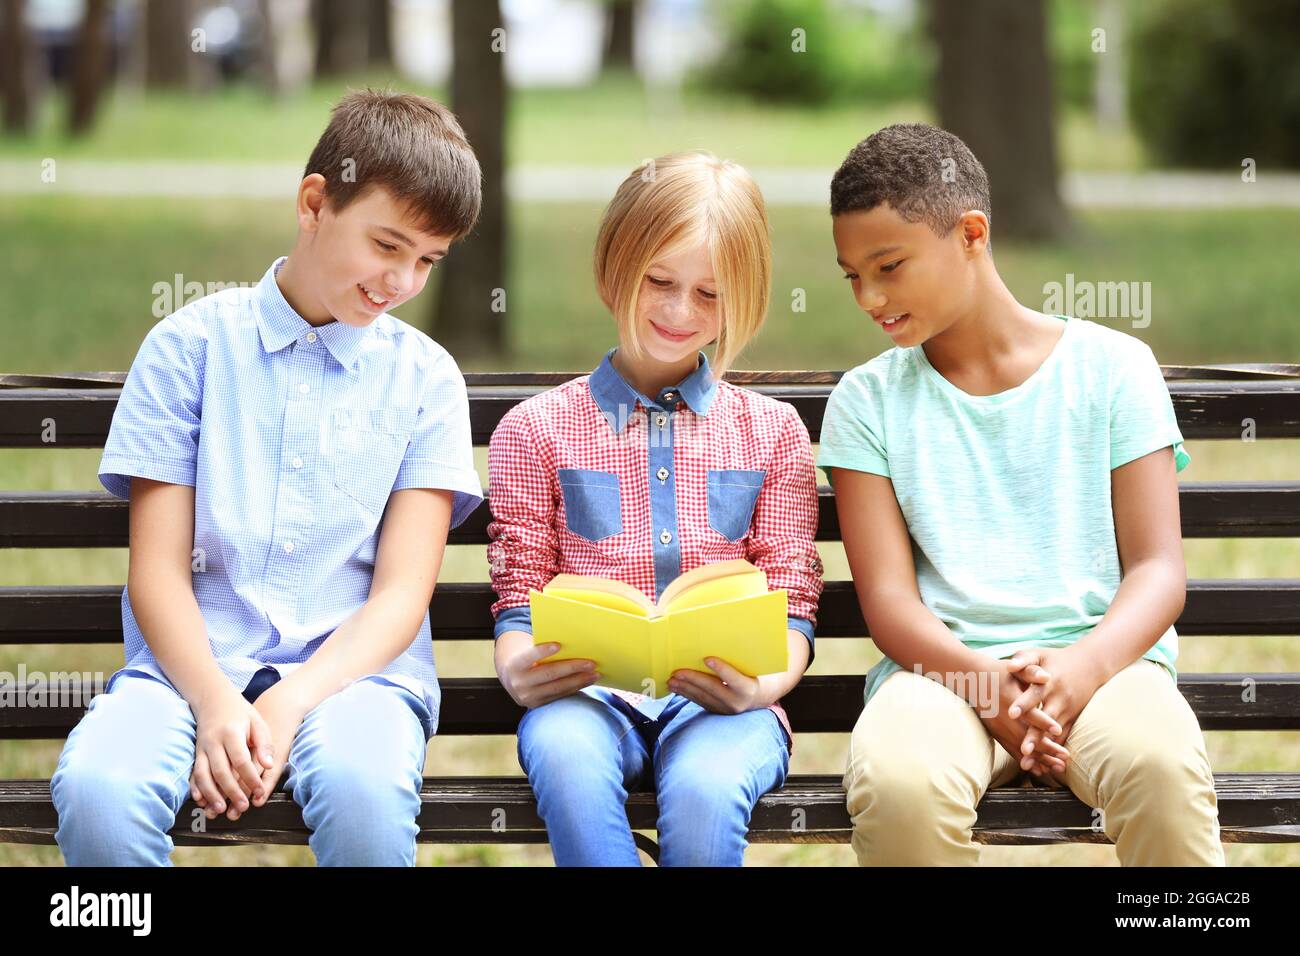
1041 692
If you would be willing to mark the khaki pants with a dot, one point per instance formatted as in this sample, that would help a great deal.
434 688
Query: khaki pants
920 760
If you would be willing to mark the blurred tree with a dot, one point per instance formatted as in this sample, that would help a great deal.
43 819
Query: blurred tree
1109 90
268 66
620 38
169 59
994 90
379 51
89 66
15 65
342 36
1217 83
470 317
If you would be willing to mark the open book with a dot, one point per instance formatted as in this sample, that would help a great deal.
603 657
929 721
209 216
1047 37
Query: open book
722 610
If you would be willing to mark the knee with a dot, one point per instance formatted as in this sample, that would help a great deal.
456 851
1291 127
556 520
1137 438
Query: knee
716 787
1162 774
902 790
569 734
86 788
362 749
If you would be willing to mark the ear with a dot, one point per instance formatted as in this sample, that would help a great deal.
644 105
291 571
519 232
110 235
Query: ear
311 200
973 228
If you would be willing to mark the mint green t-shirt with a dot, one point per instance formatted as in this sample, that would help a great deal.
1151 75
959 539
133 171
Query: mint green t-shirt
1007 496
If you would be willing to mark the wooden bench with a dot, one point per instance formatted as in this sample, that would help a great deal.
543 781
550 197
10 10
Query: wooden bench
1210 404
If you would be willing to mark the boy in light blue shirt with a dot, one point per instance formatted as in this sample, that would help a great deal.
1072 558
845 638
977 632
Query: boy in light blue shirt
294 457
1007 493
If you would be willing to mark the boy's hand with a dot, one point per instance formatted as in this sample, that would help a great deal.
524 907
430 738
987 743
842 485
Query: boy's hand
1012 732
531 683
727 691
1074 679
283 715
225 773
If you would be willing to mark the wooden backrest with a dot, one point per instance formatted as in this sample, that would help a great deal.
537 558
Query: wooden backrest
1209 403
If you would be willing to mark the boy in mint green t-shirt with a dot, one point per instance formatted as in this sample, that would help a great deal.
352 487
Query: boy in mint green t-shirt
1007 494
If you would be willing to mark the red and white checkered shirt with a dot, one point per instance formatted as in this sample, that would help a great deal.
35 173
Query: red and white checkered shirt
593 478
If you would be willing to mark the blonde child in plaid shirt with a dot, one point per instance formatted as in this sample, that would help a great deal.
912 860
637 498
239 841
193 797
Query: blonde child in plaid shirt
644 469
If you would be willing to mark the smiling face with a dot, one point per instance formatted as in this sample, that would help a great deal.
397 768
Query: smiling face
367 258
912 282
677 311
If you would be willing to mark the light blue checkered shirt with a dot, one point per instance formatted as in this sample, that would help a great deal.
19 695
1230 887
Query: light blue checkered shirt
293 437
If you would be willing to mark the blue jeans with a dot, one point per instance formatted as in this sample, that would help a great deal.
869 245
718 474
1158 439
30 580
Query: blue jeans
584 753
355 768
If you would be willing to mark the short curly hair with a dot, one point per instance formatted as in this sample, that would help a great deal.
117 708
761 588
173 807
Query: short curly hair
924 173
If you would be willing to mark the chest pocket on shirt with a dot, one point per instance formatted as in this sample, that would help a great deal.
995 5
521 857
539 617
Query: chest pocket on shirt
368 447
732 495
593 505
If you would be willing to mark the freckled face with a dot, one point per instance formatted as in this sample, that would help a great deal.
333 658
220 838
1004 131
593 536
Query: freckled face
677 311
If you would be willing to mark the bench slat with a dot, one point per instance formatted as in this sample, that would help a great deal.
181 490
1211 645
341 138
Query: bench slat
1203 409
96 519
92 614
819 704
1261 807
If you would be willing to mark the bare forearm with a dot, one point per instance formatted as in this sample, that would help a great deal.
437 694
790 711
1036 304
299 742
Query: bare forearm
772 687
508 645
162 600
1148 601
367 642
912 636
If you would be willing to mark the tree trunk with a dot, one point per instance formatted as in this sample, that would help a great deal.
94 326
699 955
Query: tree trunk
1109 89
994 89
90 62
15 66
342 36
169 60
469 320
620 44
380 52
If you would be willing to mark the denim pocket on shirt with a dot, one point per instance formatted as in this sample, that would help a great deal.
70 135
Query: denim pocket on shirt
593 505
732 495
368 447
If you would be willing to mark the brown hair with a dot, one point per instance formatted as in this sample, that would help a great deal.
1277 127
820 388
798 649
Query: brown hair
411 146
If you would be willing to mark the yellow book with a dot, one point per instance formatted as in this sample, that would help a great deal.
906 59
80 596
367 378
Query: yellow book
722 610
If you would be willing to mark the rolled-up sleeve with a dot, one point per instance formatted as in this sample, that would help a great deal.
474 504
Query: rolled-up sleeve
523 548
441 451
782 536
156 425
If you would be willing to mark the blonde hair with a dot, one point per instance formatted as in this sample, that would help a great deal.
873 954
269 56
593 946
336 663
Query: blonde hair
677 202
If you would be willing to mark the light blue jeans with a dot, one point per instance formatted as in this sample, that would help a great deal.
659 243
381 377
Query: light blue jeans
355 768
584 753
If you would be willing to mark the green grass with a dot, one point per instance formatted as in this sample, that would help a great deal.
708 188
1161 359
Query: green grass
612 122
79 275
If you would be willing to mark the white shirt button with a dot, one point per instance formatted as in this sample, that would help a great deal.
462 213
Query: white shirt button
288 547
662 474
665 536
297 463
311 337
304 388
669 396
661 419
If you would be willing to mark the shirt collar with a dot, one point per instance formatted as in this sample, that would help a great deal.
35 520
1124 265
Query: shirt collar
616 398
279 324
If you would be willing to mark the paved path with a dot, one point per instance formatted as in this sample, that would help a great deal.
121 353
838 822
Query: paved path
789 186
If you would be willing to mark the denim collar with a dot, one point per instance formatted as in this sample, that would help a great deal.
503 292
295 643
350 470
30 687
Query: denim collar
617 398
279 324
